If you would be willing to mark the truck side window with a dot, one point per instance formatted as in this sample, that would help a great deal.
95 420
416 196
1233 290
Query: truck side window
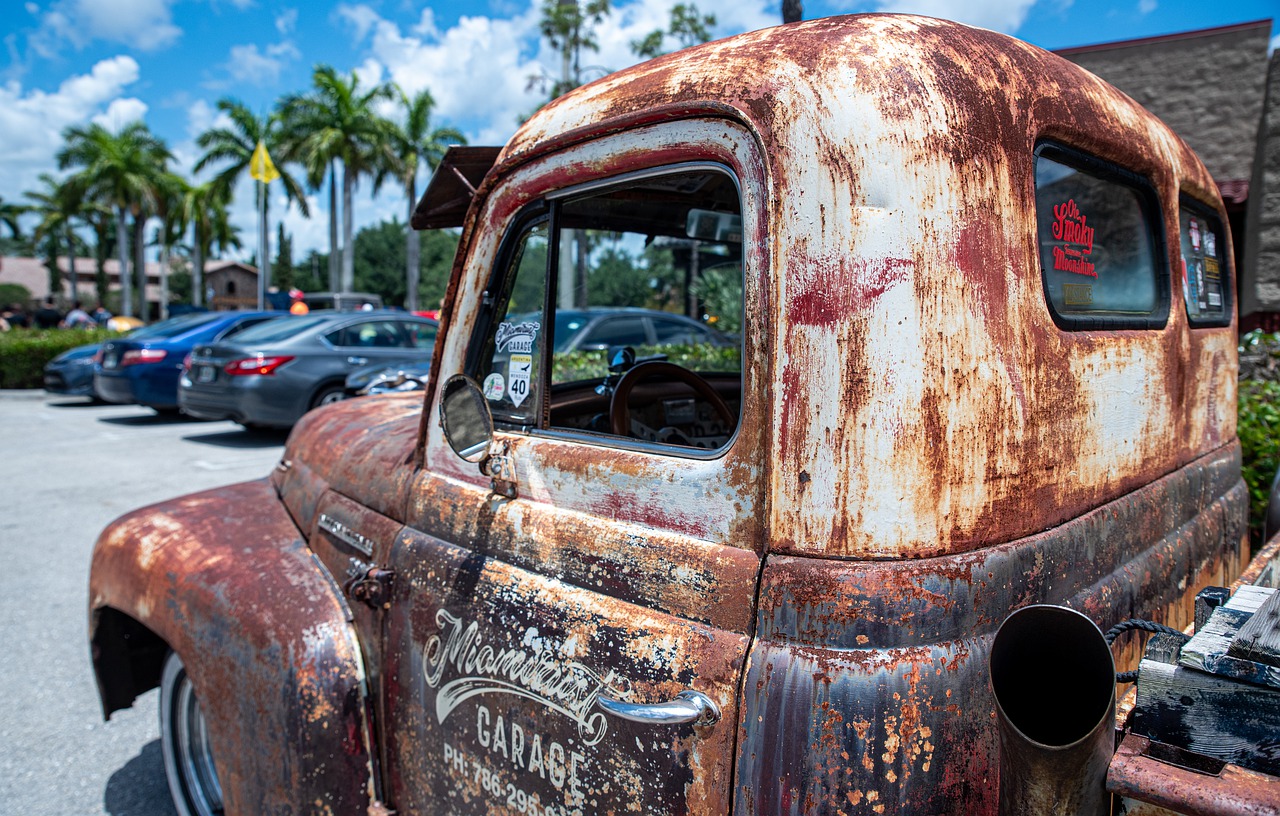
1205 273
510 374
658 248
1098 228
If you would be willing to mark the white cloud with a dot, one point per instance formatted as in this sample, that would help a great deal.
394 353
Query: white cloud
286 21
121 112
1146 6
999 15
32 121
248 64
143 24
497 57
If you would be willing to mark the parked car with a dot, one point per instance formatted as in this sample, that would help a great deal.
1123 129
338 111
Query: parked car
71 372
973 377
143 368
271 375
379 379
604 327
342 301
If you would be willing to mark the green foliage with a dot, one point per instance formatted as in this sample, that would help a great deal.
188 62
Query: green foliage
380 262
282 269
720 290
14 293
594 365
687 27
1259 421
25 352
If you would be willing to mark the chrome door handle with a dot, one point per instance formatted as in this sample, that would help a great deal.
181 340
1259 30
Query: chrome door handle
357 360
688 707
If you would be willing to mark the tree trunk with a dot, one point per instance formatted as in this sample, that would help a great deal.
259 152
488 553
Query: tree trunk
197 270
100 284
140 265
164 282
412 252
122 253
71 264
335 285
348 246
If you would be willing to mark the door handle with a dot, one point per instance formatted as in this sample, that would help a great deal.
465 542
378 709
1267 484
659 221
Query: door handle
357 360
688 707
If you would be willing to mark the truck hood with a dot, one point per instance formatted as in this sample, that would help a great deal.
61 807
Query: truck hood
361 448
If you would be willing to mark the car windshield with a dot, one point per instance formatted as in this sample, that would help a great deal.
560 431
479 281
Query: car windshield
172 327
280 328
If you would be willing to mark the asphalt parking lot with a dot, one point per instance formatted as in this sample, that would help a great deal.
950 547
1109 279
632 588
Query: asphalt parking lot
67 468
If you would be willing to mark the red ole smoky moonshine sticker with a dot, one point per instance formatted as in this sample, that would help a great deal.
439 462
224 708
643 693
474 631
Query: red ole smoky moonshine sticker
1070 227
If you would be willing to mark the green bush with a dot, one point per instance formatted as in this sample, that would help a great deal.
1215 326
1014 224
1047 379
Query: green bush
1259 421
25 352
594 365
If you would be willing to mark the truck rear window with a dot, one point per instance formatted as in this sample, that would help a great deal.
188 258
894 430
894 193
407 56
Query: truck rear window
1206 278
1098 229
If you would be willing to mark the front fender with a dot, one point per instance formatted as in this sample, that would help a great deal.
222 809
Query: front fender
225 580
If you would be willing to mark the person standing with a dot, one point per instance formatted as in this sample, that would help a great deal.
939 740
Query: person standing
47 316
100 314
78 318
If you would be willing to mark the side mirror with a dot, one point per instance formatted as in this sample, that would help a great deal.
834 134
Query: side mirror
464 412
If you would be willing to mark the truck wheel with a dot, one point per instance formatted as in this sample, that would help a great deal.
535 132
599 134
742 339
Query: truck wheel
328 396
184 741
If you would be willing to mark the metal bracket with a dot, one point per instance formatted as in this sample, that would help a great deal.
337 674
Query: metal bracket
501 470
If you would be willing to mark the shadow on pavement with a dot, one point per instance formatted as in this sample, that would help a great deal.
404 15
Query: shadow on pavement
139 788
241 438
151 419
77 402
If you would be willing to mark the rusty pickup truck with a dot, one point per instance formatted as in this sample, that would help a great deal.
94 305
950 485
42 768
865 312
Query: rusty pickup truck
976 352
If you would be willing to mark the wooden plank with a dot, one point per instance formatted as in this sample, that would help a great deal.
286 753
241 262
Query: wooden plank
1210 649
1259 638
1206 713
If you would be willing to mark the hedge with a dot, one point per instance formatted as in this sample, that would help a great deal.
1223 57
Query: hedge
25 352
1259 423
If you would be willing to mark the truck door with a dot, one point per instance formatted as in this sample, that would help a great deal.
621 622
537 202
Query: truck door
568 630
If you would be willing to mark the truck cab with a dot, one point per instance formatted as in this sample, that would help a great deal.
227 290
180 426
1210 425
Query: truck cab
975 350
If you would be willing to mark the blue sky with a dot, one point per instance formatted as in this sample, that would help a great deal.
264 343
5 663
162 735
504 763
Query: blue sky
169 61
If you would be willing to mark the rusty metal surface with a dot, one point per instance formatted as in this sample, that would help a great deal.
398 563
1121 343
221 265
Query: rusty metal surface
1234 791
492 675
866 691
906 275
226 580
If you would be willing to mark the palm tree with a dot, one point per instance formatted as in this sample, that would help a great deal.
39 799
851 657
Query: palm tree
412 145
335 122
59 205
235 145
173 225
121 169
9 214
204 208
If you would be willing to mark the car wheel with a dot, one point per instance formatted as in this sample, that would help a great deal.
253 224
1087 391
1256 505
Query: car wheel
328 396
184 741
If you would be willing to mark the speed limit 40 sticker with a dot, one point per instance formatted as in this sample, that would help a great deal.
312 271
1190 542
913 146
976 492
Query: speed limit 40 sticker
519 369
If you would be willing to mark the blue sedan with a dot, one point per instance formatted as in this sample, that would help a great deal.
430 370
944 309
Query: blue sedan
144 367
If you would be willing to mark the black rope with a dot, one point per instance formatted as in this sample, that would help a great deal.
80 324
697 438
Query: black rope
1144 625
1139 625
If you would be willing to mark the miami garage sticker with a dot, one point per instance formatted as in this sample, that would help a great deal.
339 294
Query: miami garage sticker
517 339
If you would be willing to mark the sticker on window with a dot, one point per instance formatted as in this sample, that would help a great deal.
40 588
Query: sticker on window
516 337
1097 226
495 388
519 371
1204 288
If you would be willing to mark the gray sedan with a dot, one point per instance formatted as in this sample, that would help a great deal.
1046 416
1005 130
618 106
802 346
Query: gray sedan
275 372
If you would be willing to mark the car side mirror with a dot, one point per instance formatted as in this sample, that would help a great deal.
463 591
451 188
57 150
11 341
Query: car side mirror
464 413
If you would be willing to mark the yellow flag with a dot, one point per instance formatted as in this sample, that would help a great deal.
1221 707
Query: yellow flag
260 166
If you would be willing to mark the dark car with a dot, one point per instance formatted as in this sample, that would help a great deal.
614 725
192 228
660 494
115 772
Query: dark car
144 367
600 328
271 375
379 379
71 372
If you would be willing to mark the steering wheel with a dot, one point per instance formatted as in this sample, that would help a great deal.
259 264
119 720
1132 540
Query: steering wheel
620 412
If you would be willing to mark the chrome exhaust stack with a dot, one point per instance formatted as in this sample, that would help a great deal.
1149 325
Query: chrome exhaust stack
1054 682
